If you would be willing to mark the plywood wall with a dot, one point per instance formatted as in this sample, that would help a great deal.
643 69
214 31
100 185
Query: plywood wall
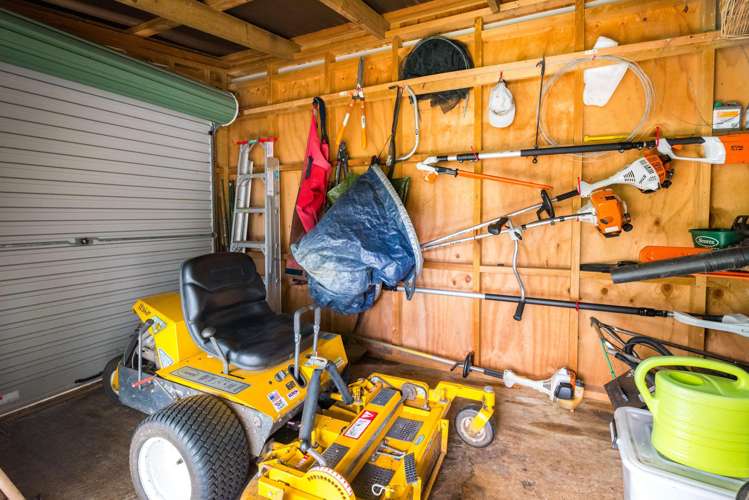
546 339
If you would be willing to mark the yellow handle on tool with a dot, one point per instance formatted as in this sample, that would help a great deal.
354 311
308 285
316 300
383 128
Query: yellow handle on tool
346 117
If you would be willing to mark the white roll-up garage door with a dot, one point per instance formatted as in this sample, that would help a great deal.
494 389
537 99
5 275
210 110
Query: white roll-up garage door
101 199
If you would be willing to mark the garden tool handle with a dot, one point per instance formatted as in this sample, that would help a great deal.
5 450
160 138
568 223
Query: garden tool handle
742 376
519 311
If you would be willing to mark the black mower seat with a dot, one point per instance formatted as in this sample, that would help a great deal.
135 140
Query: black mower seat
224 291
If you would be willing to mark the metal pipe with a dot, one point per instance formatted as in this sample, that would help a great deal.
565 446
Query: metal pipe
566 304
521 228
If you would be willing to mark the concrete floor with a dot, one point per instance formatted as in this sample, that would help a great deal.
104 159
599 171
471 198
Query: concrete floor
78 449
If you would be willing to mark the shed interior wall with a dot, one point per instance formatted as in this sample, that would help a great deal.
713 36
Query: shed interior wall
686 84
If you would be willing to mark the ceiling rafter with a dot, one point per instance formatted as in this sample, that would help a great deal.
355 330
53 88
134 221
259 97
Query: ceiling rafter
493 5
111 37
360 14
160 25
203 18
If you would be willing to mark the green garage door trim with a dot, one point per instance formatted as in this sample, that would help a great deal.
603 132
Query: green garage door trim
35 46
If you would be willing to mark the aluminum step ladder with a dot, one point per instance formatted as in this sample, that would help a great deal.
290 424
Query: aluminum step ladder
270 245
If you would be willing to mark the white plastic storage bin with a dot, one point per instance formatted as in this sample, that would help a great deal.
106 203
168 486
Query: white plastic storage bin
649 475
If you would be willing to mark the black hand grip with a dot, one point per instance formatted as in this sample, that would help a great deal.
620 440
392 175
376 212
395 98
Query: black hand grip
340 385
310 407
496 228
567 195
719 260
547 206
493 373
519 311
467 157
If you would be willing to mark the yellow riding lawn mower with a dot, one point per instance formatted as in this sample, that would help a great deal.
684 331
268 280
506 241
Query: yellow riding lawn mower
227 383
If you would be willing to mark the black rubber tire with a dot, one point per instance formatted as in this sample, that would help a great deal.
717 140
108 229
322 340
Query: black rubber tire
743 493
487 435
106 378
210 439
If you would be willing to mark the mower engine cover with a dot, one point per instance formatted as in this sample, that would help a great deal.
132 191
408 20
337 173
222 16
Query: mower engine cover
364 241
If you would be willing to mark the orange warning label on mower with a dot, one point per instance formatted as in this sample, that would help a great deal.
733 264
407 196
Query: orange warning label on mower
360 424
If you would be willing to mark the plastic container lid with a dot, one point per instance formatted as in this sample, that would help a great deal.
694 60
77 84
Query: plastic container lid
634 427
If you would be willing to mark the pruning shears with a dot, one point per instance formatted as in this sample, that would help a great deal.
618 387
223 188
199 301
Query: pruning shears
356 95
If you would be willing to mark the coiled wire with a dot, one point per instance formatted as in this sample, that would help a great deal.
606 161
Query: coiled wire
647 89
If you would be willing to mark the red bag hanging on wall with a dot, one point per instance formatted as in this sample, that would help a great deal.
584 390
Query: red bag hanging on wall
311 198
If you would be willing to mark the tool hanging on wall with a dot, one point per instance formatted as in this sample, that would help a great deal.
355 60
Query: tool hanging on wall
356 95
391 142
433 172
718 150
731 323
563 388
542 64
718 260
605 210
648 174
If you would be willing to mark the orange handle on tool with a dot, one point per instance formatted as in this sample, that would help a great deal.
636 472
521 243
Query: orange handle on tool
506 180
654 253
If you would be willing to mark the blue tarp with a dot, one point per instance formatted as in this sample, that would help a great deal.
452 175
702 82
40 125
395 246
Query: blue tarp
364 241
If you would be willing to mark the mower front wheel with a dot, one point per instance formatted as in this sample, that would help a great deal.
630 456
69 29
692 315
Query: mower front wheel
463 421
193 449
110 379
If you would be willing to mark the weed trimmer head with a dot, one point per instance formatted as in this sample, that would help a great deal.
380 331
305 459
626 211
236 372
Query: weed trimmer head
648 174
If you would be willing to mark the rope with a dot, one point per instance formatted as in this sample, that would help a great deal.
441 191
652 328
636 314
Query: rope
647 89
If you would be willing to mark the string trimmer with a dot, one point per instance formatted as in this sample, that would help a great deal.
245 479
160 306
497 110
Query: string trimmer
605 210
731 323
648 174
563 388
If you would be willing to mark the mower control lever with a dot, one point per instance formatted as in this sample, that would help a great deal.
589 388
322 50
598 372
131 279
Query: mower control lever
340 385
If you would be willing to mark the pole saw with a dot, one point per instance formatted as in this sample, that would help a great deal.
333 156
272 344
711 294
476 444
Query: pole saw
717 150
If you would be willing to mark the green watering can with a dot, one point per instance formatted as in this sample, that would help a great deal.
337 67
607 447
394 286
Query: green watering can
699 420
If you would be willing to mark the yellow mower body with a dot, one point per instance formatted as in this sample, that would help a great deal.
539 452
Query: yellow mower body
388 443
272 391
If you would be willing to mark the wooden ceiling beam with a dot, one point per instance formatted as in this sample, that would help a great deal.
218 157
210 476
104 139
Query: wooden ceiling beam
493 5
360 14
160 25
201 17
131 44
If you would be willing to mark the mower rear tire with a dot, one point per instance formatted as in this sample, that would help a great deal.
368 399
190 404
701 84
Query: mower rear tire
463 424
193 449
110 379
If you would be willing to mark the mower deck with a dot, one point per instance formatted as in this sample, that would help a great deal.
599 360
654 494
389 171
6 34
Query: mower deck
389 444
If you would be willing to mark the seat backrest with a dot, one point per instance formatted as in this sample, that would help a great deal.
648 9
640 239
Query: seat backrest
217 289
